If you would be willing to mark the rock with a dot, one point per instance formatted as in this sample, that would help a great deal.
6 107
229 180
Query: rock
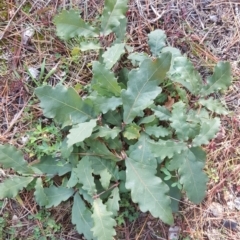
216 209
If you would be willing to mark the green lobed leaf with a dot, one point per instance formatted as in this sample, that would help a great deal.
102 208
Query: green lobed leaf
137 58
112 55
85 195
103 222
113 117
183 71
112 202
213 105
99 166
56 195
146 189
69 24
107 132
120 30
156 41
161 112
146 120
80 132
174 192
40 196
105 104
190 164
81 216
104 81
86 46
132 131
174 51
65 150
64 105
113 12
53 166
99 149
157 131
84 173
208 130
73 180
10 187
166 148
182 93
115 144
143 86
11 157
220 80
123 77
183 128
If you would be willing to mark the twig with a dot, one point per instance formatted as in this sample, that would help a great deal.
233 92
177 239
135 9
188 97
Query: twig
9 22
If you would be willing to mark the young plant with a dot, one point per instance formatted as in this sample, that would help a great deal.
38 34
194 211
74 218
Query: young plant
125 136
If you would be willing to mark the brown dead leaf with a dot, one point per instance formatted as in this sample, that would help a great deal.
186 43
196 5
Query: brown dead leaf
169 103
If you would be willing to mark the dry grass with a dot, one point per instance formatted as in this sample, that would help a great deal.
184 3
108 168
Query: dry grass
207 31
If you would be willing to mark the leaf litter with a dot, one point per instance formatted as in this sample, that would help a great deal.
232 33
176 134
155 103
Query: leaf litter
206 31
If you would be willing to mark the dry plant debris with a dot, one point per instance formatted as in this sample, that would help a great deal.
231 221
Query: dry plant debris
206 30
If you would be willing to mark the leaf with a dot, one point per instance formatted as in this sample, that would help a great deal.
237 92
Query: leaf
137 58
161 112
213 105
123 77
146 189
112 55
80 132
174 192
64 105
104 81
156 41
105 104
53 166
113 12
56 195
166 148
141 149
69 24
40 196
106 132
81 216
65 150
143 86
112 202
174 51
73 180
115 144
103 221
190 164
10 187
120 30
184 129
183 71
157 131
113 117
86 46
220 80
84 173
132 131
99 166
11 157
85 195
208 130
99 149
146 120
